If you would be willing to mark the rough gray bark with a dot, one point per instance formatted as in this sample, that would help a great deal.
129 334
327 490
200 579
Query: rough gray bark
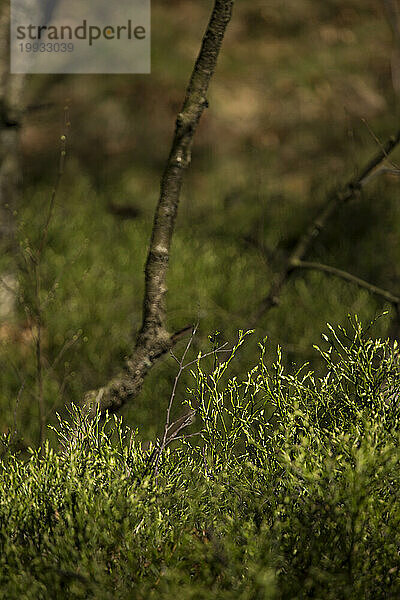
153 339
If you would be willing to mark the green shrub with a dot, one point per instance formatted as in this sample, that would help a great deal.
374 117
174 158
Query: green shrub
288 487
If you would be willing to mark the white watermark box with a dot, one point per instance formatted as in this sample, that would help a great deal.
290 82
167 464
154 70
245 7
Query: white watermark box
80 36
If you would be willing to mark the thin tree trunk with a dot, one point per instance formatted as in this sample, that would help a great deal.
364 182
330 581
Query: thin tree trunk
153 339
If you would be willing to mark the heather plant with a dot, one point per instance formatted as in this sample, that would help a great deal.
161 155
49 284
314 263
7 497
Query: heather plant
284 486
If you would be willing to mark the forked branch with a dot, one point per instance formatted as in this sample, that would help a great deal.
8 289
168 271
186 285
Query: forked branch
329 208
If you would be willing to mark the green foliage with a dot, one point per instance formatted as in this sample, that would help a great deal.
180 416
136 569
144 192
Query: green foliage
290 490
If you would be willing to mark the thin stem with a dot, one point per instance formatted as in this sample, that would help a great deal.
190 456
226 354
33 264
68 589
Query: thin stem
60 173
171 400
36 260
39 353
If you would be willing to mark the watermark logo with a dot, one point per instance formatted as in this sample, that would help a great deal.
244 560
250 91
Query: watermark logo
72 36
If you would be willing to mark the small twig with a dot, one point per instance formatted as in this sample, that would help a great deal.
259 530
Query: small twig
186 436
181 367
167 426
60 173
187 420
382 171
378 142
373 289
184 420
219 350
178 421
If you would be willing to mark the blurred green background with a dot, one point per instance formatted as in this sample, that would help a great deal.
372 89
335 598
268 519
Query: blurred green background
299 87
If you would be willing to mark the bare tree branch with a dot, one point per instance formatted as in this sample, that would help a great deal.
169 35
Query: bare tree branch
373 289
332 204
153 339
